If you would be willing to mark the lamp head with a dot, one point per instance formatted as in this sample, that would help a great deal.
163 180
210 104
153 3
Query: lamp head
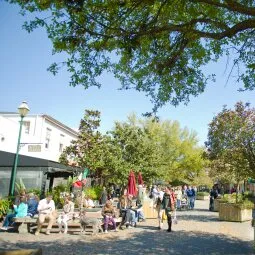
23 109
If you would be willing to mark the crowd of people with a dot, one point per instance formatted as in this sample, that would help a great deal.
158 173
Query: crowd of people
29 205
169 199
166 200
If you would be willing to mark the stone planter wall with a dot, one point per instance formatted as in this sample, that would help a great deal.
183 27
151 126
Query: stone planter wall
202 197
216 204
229 212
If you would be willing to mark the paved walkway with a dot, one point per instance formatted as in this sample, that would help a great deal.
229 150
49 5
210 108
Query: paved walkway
197 232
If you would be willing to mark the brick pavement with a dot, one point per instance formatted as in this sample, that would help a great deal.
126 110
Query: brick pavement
197 232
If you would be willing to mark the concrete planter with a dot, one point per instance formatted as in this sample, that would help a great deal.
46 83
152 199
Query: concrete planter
202 197
216 205
231 212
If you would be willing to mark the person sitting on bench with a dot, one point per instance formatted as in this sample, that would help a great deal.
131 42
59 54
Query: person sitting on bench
67 214
32 204
88 202
46 209
19 211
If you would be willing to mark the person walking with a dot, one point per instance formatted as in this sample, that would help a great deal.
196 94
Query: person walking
46 210
159 207
168 205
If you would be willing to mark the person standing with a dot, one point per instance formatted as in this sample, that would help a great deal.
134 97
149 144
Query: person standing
191 197
168 205
178 194
104 196
46 210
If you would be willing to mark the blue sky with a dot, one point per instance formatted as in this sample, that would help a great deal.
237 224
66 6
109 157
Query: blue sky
25 57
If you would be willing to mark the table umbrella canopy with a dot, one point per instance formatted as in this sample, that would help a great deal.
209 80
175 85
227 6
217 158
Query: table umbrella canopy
131 184
140 178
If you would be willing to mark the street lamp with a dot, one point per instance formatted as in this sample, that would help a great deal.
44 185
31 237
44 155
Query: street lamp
23 111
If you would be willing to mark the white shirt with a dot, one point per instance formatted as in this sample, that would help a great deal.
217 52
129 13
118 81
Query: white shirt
89 203
44 207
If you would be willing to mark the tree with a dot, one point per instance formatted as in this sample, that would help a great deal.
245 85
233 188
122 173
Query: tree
157 47
159 149
91 148
231 142
137 150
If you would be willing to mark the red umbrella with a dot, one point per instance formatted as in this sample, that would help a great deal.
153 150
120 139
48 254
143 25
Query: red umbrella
131 184
140 178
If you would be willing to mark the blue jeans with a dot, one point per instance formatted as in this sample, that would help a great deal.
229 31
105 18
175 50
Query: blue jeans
8 219
191 201
178 204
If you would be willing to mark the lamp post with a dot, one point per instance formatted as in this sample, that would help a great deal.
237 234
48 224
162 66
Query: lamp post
23 110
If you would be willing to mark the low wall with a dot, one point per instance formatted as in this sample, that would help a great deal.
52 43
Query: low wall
230 212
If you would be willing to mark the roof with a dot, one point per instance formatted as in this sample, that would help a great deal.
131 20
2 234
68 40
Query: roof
7 160
48 118
58 123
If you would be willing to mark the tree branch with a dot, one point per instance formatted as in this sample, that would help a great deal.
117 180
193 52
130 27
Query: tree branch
230 5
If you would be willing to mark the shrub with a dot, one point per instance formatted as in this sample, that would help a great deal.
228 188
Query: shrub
248 194
245 204
93 192
56 195
36 192
202 193
4 207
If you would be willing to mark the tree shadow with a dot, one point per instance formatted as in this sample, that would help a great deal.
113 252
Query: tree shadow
197 217
146 242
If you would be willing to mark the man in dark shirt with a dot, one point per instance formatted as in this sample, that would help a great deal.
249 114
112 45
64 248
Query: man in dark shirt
32 204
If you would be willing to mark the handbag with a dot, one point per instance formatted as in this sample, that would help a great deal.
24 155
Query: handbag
164 216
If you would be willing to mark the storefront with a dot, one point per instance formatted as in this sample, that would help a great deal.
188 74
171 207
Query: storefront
34 172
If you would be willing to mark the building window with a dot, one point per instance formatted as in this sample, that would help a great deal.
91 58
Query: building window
61 147
26 126
47 143
47 139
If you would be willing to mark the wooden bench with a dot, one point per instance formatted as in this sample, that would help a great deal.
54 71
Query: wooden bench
28 224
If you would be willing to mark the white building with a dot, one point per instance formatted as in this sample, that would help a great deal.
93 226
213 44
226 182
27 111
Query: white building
42 136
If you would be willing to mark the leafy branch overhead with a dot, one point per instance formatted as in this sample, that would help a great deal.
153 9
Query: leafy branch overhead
154 46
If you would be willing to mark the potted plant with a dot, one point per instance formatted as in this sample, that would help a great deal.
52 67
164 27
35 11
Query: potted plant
235 210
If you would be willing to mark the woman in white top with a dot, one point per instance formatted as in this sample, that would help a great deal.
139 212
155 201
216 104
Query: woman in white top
67 214
178 194
88 202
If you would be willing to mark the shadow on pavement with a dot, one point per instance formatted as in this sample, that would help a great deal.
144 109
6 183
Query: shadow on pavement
200 218
147 242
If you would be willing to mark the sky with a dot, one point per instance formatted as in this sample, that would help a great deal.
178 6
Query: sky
24 59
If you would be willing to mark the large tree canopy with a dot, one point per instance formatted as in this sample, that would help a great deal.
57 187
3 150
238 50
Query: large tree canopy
160 150
231 142
155 46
